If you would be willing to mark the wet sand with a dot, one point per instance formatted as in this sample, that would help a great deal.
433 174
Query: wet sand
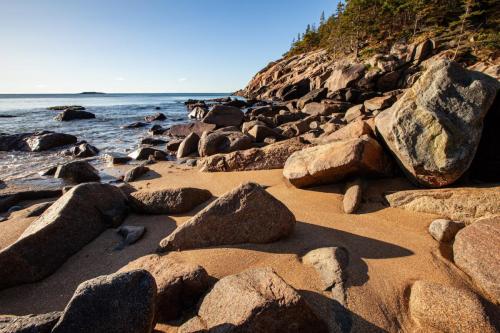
389 249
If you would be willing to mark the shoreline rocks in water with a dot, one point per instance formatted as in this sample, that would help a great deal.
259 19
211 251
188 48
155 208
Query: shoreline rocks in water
70 114
35 142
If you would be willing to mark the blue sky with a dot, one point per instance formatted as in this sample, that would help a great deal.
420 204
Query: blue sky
64 46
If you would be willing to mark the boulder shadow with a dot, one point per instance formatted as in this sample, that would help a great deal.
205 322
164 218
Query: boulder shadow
97 258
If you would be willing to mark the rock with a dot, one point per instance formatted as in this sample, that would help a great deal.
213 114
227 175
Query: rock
379 103
314 96
153 141
476 251
180 285
134 125
330 263
269 157
66 107
247 126
183 130
294 91
29 324
222 116
238 103
71 114
259 133
78 172
117 303
143 153
188 146
423 51
156 130
355 112
353 196
336 161
319 109
156 117
458 204
447 309
223 142
256 300
83 150
198 113
116 158
131 234
14 198
353 130
344 76
37 141
247 214
135 173
69 224
388 81
425 128
169 201
444 230
14 209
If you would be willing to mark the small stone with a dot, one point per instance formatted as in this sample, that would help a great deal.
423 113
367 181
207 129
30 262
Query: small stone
131 234
444 230
330 262
353 196
136 172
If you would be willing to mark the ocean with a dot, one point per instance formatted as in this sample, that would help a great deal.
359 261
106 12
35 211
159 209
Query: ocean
30 114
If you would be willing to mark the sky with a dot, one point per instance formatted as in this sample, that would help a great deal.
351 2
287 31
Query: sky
70 46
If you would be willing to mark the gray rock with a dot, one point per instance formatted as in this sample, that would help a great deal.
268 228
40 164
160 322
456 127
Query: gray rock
352 196
247 214
82 151
134 125
169 201
69 224
257 301
331 263
434 129
117 303
136 172
131 234
188 146
78 172
313 96
143 153
444 231
156 117
183 130
30 323
37 141
116 158
345 75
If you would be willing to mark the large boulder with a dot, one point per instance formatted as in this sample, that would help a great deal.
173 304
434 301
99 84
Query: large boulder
188 146
269 157
223 142
136 172
476 251
180 285
169 201
71 114
30 323
321 109
330 263
222 116
353 130
336 161
247 214
256 300
437 307
434 129
78 172
345 76
83 150
183 130
458 204
294 90
38 141
155 117
144 153
316 95
117 303
69 224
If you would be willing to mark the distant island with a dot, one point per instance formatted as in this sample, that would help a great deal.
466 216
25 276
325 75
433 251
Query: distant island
92 93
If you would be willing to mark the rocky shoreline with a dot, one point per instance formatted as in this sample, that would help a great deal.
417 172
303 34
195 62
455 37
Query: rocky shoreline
337 196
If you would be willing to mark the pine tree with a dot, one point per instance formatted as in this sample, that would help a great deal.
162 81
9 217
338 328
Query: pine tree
322 19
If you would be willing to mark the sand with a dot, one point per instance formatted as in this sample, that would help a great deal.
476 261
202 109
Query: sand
389 249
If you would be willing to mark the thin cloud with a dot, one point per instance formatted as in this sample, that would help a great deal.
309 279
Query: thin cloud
182 79
119 78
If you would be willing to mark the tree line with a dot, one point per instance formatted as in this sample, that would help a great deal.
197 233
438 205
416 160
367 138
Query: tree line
364 27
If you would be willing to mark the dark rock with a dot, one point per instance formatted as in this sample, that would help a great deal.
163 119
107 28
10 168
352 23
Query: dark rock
173 145
314 96
259 133
152 141
169 201
183 130
116 158
156 117
11 199
222 116
294 91
223 142
30 323
69 224
37 141
131 234
156 130
82 151
78 172
70 114
388 81
134 125
247 214
117 303
237 103
66 107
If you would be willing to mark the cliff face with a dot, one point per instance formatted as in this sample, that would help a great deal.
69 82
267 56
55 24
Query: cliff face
291 78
